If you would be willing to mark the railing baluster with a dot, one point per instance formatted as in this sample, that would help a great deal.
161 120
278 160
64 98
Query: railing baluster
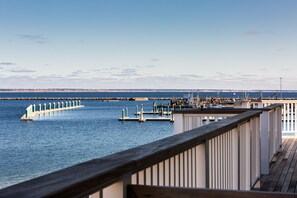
148 178
115 190
177 171
134 179
161 174
167 172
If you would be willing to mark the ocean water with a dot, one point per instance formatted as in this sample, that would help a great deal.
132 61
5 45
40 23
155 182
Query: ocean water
61 139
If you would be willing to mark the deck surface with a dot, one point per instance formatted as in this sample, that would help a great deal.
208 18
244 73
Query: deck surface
283 170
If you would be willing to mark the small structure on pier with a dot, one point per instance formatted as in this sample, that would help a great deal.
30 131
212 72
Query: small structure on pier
32 110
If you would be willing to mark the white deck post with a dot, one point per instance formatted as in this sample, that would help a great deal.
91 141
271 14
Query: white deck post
178 123
264 143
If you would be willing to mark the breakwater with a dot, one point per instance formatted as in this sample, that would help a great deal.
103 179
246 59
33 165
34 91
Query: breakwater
33 110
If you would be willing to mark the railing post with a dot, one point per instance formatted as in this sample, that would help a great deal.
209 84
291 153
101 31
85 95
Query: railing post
264 143
203 182
178 123
279 113
235 158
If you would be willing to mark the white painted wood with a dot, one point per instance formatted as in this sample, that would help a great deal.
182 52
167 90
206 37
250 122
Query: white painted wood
264 143
148 179
200 166
167 172
134 179
161 174
177 170
115 190
141 177
235 158
178 125
172 171
182 170
95 195
155 175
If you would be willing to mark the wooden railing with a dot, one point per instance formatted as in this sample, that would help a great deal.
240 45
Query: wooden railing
220 155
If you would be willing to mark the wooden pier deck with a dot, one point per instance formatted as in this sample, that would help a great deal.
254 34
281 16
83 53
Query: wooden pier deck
283 169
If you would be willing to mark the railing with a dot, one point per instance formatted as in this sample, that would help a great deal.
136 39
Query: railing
271 134
289 115
193 118
221 155
271 126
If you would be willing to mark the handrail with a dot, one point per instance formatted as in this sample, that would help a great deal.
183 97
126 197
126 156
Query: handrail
228 110
86 178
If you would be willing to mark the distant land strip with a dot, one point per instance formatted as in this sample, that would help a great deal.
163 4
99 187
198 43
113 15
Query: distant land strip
140 90
107 99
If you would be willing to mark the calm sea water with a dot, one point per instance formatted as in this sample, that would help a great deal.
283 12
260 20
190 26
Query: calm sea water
62 139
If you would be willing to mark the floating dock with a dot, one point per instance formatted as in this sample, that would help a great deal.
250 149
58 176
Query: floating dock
32 111
125 116
156 111
153 113
146 119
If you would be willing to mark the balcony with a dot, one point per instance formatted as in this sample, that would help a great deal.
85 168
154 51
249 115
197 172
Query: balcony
233 156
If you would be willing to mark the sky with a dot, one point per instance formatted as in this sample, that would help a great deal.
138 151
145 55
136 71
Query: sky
148 44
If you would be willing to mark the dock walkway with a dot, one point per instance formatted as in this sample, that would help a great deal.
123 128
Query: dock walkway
283 169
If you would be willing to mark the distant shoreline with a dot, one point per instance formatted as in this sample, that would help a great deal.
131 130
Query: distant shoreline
135 90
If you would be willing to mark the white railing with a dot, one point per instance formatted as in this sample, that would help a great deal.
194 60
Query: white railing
185 122
230 160
289 115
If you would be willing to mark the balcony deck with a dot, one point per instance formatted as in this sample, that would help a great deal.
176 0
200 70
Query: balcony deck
283 169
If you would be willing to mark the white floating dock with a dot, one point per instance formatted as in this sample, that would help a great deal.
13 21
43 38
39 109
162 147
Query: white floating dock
146 119
153 113
32 112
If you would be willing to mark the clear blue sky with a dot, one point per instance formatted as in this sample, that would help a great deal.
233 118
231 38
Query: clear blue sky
195 44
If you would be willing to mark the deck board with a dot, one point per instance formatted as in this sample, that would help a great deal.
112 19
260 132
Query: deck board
283 171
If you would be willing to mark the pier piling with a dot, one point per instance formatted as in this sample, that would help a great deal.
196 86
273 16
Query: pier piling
123 114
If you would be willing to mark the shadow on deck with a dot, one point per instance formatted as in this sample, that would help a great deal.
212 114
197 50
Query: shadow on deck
283 169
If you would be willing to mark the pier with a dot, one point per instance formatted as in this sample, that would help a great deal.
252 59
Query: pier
141 118
32 110
156 110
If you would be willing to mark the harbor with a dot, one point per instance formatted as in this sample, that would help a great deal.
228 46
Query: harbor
80 127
